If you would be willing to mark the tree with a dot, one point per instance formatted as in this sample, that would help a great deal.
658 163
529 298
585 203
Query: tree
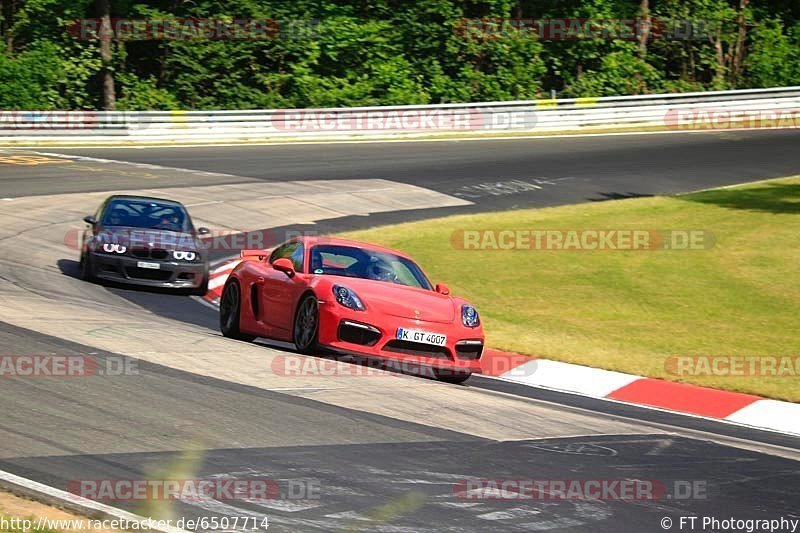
107 72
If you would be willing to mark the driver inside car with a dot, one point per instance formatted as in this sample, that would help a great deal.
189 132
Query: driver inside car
379 270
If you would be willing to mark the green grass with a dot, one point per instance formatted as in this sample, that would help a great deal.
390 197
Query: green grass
629 311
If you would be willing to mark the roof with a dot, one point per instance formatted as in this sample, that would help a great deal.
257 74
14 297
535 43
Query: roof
144 199
310 240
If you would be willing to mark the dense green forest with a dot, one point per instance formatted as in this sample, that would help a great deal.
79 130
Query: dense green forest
325 53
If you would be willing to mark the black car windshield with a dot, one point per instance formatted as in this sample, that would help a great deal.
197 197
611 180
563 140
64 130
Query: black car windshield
146 214
354 262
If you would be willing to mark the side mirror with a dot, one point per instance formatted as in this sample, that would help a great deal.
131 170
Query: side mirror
89 219
203 231
441 288
284 265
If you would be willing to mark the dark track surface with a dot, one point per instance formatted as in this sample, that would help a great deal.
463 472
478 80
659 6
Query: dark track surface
364 461
580 169
375 460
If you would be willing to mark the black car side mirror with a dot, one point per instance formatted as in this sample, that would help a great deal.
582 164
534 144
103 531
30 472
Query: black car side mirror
203 231
89 219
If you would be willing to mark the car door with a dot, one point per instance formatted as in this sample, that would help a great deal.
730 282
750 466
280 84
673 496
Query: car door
279 292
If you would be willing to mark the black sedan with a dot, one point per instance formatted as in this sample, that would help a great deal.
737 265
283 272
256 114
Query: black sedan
144 241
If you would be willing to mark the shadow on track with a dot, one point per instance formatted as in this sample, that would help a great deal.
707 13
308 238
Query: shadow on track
778 198
607 196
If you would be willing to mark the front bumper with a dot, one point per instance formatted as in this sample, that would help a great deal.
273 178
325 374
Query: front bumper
170 274
352 332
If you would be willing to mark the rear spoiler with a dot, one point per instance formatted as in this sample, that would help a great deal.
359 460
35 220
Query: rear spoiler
255 253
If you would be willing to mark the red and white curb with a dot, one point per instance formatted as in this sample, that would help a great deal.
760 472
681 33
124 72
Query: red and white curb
735 407
217 278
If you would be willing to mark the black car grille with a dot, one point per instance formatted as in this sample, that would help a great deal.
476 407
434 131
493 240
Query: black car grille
358 335
415 348
148 274
105 267
469 351
149 253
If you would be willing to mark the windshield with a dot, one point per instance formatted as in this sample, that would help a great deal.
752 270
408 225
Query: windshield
147 215
363 263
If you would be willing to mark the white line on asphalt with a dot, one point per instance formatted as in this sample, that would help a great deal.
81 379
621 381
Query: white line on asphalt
79 502
148 166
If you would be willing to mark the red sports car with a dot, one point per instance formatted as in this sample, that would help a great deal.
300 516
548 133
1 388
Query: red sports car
355 298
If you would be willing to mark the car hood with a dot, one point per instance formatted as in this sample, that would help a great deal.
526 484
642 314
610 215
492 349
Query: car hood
169 240
401 301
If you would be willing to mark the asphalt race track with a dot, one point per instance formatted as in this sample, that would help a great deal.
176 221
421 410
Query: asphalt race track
387 452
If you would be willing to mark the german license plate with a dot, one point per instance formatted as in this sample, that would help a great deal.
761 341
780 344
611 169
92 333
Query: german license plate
424 337
145 264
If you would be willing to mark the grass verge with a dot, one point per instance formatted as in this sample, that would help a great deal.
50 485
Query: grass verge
631 311
19 508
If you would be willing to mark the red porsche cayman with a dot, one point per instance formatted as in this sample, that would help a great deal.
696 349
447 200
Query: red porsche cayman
351 297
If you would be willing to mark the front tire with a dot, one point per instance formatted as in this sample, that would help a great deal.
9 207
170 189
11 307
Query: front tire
306 325
202 289
86 273
451 376
230 308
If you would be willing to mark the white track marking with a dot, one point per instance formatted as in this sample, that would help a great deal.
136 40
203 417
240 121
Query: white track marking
579 379
73 500
148 166
778 416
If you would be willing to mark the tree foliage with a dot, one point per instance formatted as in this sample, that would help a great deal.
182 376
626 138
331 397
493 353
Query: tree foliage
330 53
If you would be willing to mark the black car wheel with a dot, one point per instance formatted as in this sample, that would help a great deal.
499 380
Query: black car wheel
229 313
86 272
306 325
451 376
203 288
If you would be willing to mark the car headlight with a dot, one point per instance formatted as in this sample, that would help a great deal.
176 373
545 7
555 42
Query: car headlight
184 256
112 248
348 298
469 316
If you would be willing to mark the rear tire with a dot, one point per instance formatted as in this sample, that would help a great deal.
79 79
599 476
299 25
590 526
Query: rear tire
306 325
451 376
230 308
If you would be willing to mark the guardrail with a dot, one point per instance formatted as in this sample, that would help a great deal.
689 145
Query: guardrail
777 107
